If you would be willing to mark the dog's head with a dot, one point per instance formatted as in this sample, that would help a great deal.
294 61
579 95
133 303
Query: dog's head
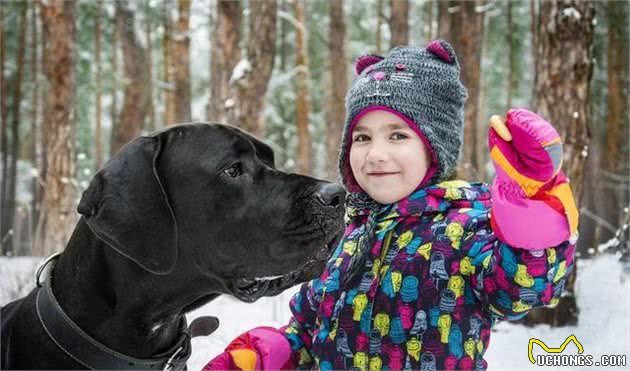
206 202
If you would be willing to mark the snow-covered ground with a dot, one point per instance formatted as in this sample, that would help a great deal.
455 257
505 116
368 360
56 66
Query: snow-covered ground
603 298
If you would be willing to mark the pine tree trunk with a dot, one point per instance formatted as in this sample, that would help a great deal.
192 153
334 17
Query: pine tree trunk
466 36
336 111
399 23
224 56
444 20
283 38
250 77
58 210
167 69
151 124
98 144
35 135
561 92
9 244
379 24
114 107
510 51
617 85
303 104
136 100
534 28
3 133
43 138
429 27
182 63
482 155
614 160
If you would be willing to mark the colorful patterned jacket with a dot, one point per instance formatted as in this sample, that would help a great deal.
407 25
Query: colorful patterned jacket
429 292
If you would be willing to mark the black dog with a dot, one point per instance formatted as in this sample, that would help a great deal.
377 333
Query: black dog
171 222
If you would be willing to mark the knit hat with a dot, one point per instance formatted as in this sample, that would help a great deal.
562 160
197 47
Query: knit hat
422 87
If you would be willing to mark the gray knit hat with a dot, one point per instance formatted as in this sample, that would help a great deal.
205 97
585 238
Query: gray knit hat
422 86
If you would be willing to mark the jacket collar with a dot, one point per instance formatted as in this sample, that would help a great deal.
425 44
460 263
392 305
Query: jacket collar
428 200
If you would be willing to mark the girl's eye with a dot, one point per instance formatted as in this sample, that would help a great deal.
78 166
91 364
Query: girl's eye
361 138
235 170
399 136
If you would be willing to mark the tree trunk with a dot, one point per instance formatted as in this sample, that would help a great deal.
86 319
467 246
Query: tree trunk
135 103
534 24
35 135
98 144
429 27
58 209
9 218
561 92
617 85
43 141
444 21
379 25
250 77
3 133
182 63
399 23
283 38
151 124
614 160
482 155
167 69
466 37
510 52
336 112
225 55
303 104
114 107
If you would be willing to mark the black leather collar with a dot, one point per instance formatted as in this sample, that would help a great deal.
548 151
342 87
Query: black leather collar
91 353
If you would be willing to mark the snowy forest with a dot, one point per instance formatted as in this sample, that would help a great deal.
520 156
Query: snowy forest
81 78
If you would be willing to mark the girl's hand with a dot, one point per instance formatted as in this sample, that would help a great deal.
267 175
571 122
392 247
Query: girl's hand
262 348
529 190
526 149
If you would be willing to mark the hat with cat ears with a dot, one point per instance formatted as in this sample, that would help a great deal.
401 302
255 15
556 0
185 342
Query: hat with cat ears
420 84
439 48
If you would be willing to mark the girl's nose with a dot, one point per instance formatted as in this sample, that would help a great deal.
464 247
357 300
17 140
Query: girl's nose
377 153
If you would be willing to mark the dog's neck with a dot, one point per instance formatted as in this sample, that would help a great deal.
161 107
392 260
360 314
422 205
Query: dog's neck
120 307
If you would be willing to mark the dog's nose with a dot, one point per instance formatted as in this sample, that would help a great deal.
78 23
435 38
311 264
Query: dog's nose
331 194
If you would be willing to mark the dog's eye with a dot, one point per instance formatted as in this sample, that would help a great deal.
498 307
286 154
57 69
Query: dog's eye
235 170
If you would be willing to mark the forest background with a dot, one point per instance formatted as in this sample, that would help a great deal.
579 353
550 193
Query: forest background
79 79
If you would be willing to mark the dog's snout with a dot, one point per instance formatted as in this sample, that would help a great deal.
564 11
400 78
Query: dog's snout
331 194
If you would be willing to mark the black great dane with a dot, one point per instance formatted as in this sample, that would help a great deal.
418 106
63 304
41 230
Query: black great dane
171 222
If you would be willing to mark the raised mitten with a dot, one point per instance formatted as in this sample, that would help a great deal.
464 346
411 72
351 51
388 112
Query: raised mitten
533 206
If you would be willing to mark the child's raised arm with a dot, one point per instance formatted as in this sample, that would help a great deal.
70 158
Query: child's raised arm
525 261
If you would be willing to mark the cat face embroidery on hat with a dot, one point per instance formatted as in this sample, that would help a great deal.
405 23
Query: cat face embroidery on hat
365 66
397 76
378 76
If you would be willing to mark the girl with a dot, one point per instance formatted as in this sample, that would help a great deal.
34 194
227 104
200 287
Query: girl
427 264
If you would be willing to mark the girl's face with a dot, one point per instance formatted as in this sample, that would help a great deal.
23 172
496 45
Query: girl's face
388 159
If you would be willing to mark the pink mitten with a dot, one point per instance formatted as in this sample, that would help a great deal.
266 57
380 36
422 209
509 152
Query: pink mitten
262 348
533 206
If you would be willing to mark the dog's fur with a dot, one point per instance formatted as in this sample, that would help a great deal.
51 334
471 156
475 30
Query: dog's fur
171 222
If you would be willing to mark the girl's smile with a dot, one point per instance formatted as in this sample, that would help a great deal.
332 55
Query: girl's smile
382 174
387 157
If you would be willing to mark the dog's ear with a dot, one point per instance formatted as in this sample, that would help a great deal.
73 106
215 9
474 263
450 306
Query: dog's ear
127 207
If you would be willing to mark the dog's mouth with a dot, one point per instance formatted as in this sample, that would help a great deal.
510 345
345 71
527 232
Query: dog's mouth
252 289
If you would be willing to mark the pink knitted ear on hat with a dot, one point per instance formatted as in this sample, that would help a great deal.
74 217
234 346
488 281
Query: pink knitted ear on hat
442 50
366 60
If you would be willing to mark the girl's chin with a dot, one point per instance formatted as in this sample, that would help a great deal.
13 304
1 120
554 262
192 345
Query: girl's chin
383 195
